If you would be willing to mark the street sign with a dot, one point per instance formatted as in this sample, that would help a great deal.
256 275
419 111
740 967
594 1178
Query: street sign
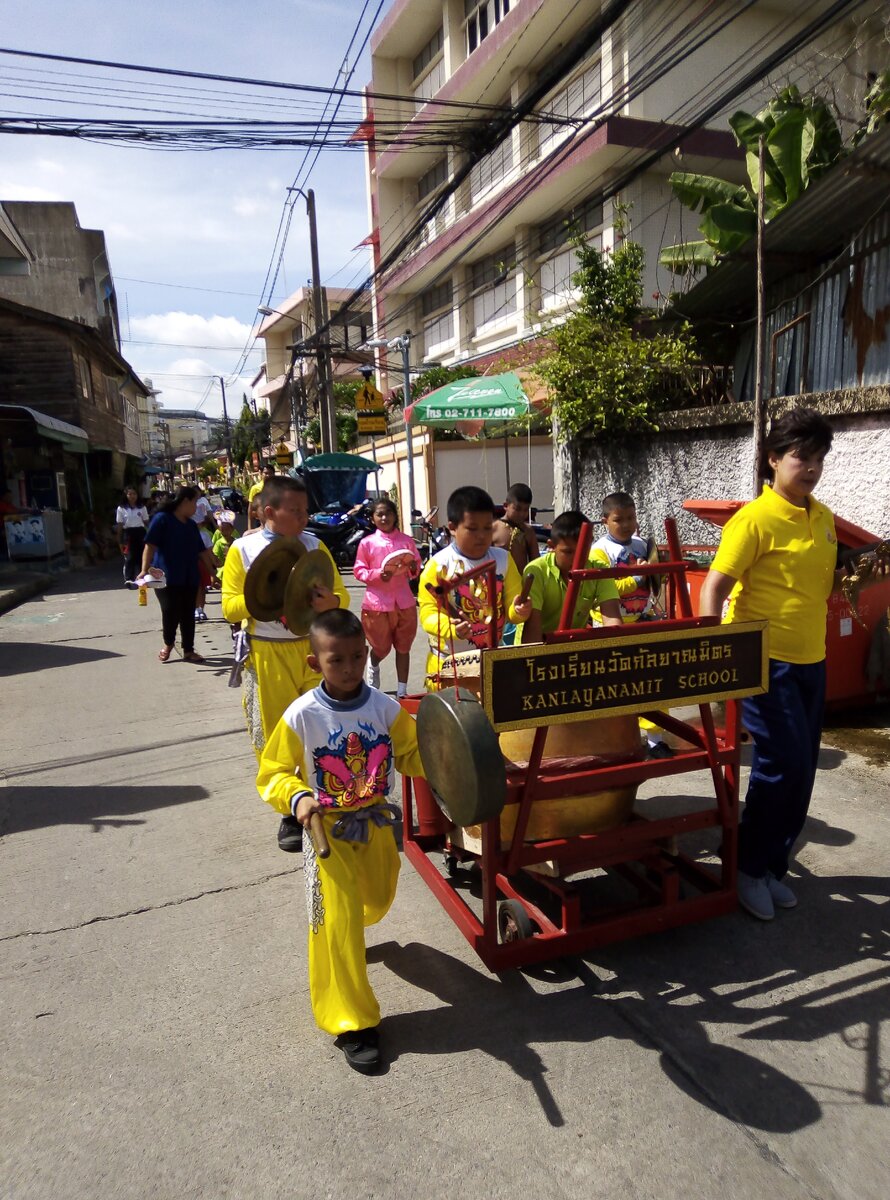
369 400
283 456
371 424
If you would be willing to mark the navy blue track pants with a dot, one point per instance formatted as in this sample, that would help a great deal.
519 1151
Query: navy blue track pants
786 725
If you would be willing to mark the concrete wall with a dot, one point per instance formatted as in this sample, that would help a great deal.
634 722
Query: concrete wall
483 464
440 467
715 462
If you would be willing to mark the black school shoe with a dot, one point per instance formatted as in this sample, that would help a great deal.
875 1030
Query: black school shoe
660 750
361 1049
290 835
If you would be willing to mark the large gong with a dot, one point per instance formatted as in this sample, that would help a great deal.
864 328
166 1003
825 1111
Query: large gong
461 756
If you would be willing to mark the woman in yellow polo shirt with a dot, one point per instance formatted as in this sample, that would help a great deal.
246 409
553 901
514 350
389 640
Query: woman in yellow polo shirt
778 561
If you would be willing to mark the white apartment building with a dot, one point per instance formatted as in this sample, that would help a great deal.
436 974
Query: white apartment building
284 331
494 266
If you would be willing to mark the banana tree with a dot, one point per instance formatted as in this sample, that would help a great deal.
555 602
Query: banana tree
801 141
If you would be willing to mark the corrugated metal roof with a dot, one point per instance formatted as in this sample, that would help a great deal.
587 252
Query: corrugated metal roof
810 231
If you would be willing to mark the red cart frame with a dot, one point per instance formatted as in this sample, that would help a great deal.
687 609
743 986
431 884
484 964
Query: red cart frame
671 888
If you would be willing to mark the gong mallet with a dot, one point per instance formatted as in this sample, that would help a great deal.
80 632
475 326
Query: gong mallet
318 835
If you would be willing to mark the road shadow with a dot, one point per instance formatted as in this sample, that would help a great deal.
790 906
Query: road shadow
26 808
104 576
21 658
502 1016
818 971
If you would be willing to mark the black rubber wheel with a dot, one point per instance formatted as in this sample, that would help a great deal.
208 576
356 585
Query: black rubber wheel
449 861
514 923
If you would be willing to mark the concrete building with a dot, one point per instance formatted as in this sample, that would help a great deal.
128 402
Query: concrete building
284 332
60 358
151 435
186 430
493 267
68 272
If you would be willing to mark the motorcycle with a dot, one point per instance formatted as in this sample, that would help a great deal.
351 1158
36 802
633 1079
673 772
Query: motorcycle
431 539
342 532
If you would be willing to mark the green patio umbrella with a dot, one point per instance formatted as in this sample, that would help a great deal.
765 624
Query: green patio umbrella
494 398
339 462
468 404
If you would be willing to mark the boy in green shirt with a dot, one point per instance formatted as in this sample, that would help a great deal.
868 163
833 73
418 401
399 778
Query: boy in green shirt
545 579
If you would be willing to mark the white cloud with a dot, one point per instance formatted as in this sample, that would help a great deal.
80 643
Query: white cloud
191 329
191 236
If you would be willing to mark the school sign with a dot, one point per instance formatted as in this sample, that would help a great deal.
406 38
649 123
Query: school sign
527 686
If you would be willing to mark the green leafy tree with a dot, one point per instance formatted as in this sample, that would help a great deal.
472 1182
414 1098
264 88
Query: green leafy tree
344 416
210 468
605 373
877 108
801 142
251 433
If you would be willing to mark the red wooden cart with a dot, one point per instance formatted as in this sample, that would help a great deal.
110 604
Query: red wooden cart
538 900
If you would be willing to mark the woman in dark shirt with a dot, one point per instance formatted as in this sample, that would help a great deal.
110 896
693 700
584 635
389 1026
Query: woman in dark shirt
173 545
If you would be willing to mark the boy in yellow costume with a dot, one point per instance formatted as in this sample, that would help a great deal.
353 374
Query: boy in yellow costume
277 670
332 753
464 622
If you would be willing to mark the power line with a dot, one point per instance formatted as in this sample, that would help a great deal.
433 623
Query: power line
244 81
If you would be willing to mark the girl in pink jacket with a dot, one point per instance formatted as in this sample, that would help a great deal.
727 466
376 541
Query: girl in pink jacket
384 562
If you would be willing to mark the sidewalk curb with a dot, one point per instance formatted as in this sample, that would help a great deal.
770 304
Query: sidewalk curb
11 597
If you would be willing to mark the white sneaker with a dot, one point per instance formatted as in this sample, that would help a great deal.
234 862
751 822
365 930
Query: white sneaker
782 895
372 674
755 898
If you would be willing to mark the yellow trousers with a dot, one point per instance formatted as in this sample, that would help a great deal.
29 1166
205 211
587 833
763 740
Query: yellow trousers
352 888
275 674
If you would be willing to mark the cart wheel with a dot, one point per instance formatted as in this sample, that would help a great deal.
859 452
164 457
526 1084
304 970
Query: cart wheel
449 861
514 924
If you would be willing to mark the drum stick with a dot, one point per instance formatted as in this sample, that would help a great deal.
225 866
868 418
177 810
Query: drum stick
319 837
527 584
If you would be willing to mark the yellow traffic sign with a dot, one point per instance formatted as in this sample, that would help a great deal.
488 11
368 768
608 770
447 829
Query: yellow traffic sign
371 424
369 399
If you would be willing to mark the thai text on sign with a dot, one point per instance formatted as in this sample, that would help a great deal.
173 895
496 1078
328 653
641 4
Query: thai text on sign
525 686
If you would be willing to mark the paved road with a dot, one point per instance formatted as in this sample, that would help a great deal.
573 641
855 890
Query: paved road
156 1041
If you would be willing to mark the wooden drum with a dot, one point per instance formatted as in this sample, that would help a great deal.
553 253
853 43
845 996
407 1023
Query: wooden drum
609 739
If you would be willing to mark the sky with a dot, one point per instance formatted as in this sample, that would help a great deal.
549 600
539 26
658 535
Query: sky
190 234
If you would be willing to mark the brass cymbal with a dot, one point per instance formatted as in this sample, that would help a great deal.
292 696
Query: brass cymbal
314 569
267 575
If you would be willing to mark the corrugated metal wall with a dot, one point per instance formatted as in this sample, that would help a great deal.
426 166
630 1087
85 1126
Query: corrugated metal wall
847 344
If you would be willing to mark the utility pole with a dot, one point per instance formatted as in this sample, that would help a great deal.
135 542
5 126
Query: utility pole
326 417
404 344
759 407
227 433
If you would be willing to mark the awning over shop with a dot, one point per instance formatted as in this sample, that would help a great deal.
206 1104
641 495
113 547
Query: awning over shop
72 437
